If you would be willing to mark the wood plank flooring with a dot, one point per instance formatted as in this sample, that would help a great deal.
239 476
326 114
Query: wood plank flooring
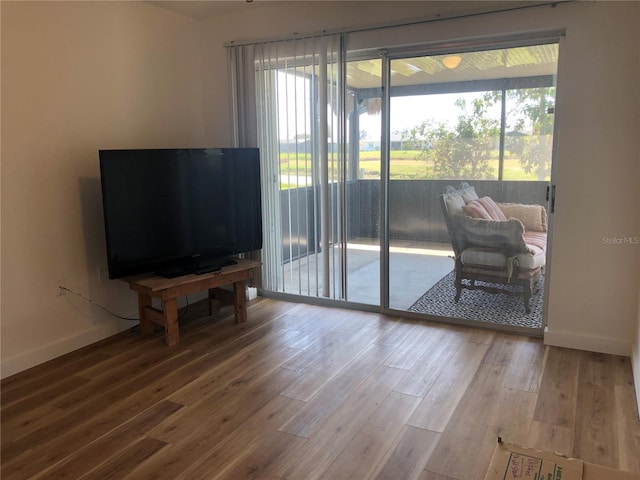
306 392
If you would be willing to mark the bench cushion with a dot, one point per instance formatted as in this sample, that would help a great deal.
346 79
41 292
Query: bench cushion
492 258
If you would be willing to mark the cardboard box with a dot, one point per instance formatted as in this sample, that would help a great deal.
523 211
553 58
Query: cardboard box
512 462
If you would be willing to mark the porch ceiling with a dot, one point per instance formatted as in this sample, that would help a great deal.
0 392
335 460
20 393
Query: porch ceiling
482 65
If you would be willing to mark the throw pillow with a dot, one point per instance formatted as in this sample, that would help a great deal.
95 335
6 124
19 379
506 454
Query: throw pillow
492 208
468 192
475 209
484 208
534 217
453 200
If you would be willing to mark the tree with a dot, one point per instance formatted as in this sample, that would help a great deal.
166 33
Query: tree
532 132
463 151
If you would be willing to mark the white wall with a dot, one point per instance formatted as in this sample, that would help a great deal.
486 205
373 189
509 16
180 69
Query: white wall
77 77
65 104
593 301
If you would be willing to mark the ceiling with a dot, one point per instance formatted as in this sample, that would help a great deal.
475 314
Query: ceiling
517 62
474 66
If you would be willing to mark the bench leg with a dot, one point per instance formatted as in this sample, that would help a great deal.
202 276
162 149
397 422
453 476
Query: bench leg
240 301
171 331
214 303
146 325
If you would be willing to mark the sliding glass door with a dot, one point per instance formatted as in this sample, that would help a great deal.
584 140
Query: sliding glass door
480 118
358 146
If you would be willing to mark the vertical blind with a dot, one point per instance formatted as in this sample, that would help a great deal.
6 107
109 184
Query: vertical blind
289 100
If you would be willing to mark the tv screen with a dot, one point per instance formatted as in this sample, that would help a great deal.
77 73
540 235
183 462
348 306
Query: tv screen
179 211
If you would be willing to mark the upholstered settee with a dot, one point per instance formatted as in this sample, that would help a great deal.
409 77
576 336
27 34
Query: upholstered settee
496 244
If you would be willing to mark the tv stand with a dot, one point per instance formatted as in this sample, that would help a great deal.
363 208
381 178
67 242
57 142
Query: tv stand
169 289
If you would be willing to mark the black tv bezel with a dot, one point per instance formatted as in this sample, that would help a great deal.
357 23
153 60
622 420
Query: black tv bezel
196 262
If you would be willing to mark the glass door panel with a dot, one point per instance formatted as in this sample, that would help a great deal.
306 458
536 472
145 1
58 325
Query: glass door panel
320 119
298 88
482 118
363 180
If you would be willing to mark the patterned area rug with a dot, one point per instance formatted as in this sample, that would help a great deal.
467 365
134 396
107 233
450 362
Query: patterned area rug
479 305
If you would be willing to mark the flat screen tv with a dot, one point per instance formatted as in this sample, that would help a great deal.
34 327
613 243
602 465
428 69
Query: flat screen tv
179 211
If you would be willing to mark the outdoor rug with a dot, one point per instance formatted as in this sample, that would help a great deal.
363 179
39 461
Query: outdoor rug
479 305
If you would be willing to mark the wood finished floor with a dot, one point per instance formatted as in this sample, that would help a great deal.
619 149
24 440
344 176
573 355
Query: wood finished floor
305 392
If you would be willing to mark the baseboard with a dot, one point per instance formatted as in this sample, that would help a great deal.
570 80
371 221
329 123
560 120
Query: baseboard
44 353
612 346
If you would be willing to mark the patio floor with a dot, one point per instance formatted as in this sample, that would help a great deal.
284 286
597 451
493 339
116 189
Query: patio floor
414 268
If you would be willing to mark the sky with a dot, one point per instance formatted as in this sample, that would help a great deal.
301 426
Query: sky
406 112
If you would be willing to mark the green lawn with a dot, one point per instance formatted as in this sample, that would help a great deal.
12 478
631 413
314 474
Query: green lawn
404 165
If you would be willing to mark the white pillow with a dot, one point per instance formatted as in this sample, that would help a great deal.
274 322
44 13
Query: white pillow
454 201
468 192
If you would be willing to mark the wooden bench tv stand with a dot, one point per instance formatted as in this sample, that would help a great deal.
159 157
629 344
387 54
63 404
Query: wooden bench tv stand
169 289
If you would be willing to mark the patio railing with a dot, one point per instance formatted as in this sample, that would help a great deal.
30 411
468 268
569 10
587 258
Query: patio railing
414 210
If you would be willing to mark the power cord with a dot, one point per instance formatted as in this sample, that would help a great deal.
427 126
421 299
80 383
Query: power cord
64 290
